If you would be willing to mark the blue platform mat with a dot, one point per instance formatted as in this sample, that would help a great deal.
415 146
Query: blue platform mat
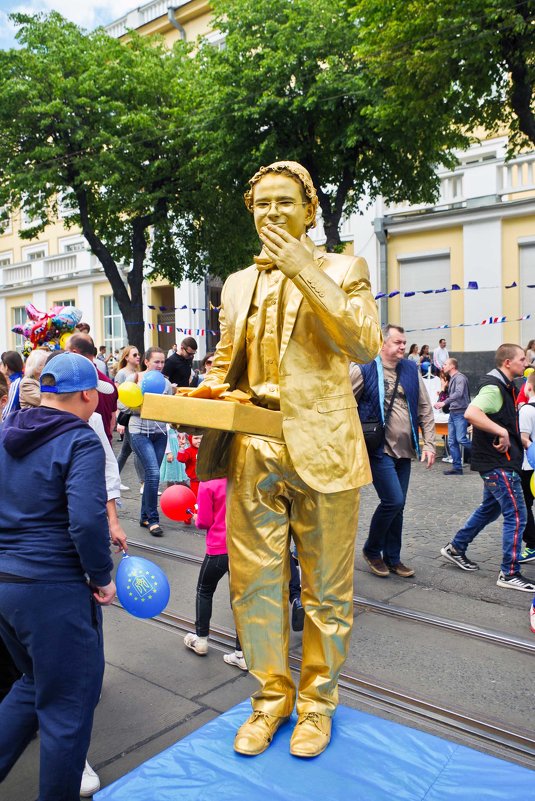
369 759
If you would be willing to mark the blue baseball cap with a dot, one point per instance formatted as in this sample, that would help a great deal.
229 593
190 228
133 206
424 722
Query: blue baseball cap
73 373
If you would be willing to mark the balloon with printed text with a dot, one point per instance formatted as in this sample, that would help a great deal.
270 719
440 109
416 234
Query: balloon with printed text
142 586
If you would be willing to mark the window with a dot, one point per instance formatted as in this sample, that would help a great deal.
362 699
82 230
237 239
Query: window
34 252
18 317
5 259
73 247
34 255
425 271
69 302
115 336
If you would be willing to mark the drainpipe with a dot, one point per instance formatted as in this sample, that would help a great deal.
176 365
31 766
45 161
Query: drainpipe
174 22
381 233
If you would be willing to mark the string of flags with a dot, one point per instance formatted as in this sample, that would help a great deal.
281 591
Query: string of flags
471 286
486 321
170 329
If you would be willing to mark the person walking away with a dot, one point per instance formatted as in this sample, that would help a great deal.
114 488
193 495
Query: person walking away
455 405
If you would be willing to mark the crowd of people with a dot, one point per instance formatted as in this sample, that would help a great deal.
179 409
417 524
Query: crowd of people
300 335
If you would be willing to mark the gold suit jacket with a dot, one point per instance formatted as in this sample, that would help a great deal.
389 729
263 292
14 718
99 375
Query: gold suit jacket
329 319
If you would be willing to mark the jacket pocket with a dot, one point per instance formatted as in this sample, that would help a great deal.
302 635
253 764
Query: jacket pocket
336 403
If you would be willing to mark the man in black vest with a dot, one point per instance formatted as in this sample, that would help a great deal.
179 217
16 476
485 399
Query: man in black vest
497 454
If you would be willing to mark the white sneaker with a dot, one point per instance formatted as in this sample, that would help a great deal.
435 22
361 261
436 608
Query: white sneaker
236 659
515 582
141 488
90 781
197 644
448 459
124 488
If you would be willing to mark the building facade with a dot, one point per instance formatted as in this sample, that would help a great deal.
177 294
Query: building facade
480 233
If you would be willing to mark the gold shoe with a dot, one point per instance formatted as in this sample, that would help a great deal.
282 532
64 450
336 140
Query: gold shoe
256 733
311 736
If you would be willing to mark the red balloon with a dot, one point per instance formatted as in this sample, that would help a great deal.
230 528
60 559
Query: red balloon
178 502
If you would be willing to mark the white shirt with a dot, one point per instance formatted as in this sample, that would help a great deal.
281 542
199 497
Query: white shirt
113 479
526 424
440 357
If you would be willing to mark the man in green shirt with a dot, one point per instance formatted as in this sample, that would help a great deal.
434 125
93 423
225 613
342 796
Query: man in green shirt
497 454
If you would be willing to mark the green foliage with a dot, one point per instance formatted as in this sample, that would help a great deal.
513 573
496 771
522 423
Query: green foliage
289 84
85 115
476 58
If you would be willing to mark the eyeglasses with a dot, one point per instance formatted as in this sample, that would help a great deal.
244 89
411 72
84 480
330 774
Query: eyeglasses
283 206
189 352
209 361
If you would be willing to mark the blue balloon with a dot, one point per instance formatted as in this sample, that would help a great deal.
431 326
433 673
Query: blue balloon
530 455
153 381
142 586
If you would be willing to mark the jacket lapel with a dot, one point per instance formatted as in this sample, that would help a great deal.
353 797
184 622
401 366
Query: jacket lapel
293 303
243 304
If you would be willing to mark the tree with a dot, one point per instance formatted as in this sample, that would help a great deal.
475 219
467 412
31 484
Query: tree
100 123
288 84
477 56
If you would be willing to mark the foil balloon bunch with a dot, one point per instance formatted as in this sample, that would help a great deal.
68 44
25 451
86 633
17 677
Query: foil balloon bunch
48 329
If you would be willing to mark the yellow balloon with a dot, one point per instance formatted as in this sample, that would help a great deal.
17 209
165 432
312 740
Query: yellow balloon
63 339
532 485
529 371
130 394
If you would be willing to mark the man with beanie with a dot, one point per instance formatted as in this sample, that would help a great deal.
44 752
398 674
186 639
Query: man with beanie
55 573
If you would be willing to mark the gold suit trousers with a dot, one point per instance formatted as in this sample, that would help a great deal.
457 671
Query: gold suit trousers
267 503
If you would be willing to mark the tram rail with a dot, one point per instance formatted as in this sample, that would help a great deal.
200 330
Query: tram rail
379 607
493 735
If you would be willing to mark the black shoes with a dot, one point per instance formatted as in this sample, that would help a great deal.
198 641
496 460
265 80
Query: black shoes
298 615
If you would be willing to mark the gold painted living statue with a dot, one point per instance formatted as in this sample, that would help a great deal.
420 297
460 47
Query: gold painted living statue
290 324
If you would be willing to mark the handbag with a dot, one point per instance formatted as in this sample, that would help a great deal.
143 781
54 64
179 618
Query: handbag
123 418
374 430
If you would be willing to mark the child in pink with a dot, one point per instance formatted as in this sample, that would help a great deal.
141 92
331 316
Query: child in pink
211 503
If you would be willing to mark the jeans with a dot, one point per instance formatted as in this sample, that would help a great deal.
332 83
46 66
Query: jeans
502 494
126 450
457 436
213 568
391 481
54 635
150 448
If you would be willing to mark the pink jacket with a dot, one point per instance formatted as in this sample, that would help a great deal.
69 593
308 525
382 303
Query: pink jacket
211 503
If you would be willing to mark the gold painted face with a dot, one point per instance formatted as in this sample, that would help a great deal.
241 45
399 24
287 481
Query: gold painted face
279 200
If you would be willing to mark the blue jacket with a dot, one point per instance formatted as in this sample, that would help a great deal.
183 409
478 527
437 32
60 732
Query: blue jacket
372 401
53 523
